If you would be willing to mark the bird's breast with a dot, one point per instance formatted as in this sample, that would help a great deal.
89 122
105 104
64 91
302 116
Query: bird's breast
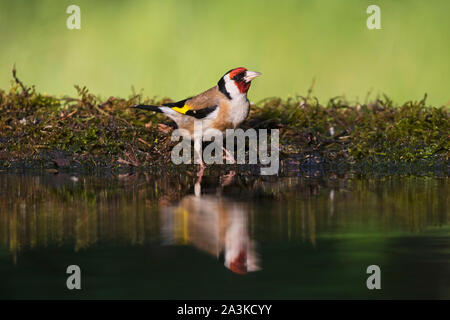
239 111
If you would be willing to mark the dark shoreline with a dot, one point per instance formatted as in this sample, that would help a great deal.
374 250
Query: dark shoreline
288 167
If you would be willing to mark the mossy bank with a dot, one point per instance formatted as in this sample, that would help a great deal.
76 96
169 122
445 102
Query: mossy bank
42 131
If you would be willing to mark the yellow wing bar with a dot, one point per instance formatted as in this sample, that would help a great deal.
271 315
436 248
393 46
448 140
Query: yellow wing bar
182 110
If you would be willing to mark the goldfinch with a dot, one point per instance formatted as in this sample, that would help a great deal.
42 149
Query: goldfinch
224 106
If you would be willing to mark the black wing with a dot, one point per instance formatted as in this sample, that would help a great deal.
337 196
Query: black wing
183 108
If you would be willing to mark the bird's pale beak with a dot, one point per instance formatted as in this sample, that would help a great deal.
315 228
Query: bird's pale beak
250 75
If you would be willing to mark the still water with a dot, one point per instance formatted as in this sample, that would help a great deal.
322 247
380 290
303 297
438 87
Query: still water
234 236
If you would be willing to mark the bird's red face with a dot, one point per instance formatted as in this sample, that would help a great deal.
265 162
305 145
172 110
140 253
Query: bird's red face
242 78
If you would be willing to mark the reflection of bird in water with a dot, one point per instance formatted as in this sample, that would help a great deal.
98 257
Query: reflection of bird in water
215 225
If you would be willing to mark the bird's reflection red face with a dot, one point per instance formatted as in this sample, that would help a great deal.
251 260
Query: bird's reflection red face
239 264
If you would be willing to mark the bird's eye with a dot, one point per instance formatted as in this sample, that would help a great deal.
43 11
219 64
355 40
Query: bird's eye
239 77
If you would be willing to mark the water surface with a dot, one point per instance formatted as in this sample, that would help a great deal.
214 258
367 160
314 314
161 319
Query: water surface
173 236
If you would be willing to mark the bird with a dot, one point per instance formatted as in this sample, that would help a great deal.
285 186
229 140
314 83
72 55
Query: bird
224 106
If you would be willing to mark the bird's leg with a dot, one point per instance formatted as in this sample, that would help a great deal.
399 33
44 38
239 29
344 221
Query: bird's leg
198 150
198 183
201 170
202 166
228 156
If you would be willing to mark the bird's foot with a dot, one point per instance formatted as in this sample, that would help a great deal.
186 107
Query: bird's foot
228 178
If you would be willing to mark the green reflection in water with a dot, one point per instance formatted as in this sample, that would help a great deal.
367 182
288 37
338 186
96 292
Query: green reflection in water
144 236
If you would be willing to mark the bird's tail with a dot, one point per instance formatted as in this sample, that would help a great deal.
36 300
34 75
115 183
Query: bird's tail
148 107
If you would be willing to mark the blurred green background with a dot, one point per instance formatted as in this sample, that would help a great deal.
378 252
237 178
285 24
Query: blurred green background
179 48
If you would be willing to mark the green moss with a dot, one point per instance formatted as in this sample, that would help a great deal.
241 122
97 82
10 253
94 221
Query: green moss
378 131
